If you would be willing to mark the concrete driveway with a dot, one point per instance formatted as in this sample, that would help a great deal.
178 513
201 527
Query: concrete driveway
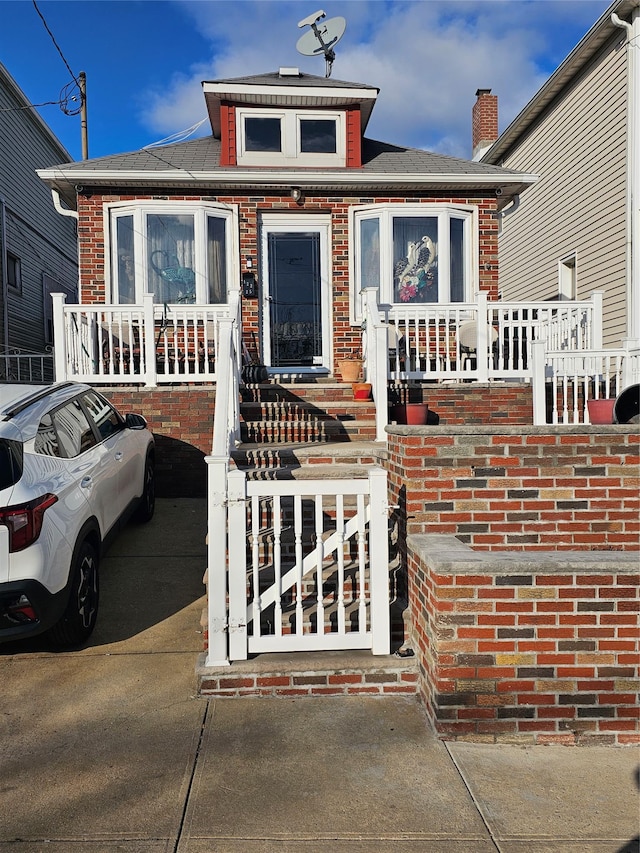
108 749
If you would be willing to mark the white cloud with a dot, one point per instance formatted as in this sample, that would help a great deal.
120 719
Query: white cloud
427 58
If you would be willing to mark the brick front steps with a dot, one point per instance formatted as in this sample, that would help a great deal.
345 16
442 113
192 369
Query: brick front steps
312 412
311 431
314 674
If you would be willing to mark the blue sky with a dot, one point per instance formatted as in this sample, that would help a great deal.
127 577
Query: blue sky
145 60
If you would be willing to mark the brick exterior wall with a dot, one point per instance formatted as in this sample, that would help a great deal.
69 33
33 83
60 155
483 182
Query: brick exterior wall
181 419
535 650
346 337
517 488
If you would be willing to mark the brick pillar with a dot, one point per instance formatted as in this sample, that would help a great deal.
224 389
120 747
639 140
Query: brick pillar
484 122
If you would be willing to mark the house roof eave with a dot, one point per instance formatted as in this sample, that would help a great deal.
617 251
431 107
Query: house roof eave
506 185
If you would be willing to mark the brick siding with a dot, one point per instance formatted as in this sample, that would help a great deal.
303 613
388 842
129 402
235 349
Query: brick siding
519 487
535 650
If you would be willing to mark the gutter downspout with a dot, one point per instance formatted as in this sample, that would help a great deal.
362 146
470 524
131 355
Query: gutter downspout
5 280
633 169
506 211
63 211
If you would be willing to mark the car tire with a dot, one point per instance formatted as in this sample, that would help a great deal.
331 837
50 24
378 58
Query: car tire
81 612
147 505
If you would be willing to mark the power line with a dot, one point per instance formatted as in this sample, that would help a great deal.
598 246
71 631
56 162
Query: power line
35 6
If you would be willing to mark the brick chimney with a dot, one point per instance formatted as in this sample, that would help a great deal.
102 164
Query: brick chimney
484 122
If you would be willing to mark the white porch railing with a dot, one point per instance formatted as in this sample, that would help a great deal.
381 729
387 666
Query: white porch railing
563 382
144 344
485 340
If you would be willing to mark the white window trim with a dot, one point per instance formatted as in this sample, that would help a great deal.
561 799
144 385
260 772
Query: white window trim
386 213
139 208
291 153
283 222
568 275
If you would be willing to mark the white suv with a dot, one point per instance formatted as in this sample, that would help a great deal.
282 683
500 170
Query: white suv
71 470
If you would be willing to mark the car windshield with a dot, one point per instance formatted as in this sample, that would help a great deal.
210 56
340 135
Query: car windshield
10 462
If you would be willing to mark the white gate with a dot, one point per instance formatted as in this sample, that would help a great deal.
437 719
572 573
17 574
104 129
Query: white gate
308 565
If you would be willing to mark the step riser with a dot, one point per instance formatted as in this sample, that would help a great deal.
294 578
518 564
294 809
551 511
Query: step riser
381 677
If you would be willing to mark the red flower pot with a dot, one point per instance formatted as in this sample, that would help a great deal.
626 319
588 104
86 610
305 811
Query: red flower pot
601 411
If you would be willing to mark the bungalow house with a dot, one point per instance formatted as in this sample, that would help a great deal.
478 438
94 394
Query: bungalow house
578 229
223 283
38 247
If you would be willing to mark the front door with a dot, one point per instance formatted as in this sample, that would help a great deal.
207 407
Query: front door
296 296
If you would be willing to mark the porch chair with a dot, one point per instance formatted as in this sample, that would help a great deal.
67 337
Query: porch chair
468 343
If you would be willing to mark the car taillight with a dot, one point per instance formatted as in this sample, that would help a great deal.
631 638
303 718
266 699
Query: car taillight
25 521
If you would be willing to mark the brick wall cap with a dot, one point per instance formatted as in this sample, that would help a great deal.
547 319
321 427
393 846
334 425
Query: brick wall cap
518 429
446 554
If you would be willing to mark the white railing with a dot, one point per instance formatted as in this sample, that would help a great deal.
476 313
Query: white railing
564 382
19 365
485 340
144 344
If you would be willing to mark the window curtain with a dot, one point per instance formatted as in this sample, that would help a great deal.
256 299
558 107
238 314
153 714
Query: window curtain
171 257
370 253
456 276
126 284
216 260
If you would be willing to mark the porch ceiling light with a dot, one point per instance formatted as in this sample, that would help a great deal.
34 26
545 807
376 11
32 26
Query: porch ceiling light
297 195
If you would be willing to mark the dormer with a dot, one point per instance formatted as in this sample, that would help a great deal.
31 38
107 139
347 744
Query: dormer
289 119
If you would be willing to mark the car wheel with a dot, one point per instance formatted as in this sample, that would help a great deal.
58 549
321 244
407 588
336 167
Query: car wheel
81 612
147 504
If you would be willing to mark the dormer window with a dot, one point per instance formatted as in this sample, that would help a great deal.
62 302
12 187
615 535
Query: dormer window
290 137
318 136
263 134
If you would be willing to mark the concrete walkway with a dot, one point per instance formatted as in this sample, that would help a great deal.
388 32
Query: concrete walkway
108 749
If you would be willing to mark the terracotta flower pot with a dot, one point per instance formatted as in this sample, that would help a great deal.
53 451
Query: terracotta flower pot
601 411
415 414
361 390
350 369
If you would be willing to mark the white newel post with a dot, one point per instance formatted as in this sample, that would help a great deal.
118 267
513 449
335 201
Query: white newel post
59 337
630 362
538 382
238 648
379 562
597 298
149 327
217 653
483 354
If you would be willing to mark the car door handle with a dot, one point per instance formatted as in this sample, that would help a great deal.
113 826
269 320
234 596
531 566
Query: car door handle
86 483
118 456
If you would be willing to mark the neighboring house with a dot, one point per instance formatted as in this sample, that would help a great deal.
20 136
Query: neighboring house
38 246
578 229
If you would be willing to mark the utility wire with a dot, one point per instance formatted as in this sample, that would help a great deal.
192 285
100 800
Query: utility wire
35 6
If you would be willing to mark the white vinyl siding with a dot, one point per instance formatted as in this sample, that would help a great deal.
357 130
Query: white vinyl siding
579 204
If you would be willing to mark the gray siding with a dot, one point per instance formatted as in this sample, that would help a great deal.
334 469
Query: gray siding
43 240
578 148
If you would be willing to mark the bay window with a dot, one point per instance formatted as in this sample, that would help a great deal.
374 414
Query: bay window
179 253
414 254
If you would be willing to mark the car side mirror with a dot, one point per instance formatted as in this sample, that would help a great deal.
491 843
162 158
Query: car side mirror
135 422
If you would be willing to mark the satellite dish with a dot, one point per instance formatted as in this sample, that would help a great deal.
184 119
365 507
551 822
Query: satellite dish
321 37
